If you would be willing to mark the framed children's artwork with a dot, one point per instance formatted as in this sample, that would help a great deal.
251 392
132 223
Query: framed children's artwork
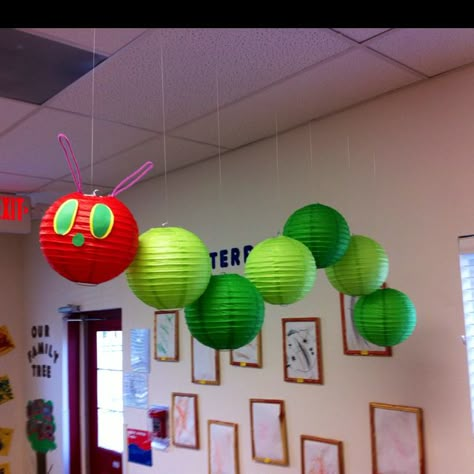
167 335
223 452
268 431
353 342
321 455
185 420
302 360
249 355
396 439
205 368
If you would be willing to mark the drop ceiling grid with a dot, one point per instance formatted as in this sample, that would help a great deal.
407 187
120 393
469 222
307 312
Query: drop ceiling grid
13 111
107 40
352 77
179 153
14 183
196 62
430 51
361 34
32 147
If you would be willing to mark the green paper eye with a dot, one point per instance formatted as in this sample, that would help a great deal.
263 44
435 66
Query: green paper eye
101 221
65 216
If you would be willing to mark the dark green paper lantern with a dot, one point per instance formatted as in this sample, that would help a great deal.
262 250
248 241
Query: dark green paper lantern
363 268
171 268
386 317
322 229
282 269
228 315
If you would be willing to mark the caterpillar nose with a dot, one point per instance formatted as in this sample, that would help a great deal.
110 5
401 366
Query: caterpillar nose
78 240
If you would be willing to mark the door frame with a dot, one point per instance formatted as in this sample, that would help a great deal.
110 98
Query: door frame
77 365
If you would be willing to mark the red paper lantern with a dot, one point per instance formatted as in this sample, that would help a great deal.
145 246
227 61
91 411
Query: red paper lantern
90 239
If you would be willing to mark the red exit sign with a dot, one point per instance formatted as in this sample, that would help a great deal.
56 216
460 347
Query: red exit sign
15 214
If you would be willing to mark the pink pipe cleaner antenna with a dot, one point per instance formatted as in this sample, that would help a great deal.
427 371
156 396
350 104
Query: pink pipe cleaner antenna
71 160
136 175
76 174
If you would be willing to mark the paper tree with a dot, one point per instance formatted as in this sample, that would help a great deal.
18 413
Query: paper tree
40 430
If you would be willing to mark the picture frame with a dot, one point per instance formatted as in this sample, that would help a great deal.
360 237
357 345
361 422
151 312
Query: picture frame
321 455
185 420
353 342
396 439
302 351
205 364
268 431
249 355
166 332
223 447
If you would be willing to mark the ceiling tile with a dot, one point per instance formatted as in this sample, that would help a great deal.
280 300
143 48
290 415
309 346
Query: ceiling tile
107 40
428 50
331 86
12 111
360 34
12 183
179 153
196 63
32 147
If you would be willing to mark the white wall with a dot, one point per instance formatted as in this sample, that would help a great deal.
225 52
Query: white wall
400 170
12 289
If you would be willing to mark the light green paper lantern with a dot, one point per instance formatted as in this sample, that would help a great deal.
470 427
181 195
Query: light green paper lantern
228 315
171 269
386 317
322 229
282 269
362 269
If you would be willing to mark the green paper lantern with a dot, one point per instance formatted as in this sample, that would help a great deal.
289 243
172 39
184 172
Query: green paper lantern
322 229
386 317
228 315
282 269
171 269
362 269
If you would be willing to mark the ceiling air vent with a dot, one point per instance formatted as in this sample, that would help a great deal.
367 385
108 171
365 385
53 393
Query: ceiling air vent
34 69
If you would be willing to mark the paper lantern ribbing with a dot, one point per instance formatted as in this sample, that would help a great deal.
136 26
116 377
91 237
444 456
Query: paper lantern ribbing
322 229
386 317
362 269
282 269
89 239
171 269
228 315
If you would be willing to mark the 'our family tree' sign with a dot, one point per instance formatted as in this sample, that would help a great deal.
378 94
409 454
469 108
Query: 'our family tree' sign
42 355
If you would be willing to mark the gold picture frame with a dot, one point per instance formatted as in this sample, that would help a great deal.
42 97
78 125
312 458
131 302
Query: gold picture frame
223 447
321 455
205 364
185 420
268 431
166 336
353 343
397 438
302 354
249 355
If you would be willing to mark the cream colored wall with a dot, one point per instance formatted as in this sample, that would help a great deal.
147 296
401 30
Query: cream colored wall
400 169
12 289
